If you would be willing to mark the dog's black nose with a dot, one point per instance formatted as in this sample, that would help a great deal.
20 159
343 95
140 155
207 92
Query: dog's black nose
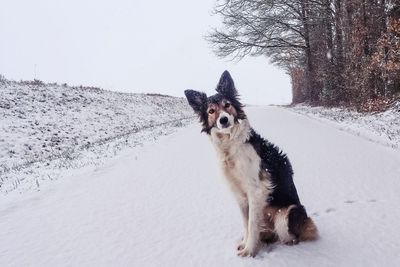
223 120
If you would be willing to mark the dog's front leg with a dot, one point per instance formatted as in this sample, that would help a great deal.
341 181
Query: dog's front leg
244 208
253 230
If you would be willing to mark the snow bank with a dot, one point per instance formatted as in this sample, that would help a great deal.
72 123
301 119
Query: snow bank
379 127
44 127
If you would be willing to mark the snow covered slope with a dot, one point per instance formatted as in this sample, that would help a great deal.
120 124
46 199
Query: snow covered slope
166 204
47 126
379 127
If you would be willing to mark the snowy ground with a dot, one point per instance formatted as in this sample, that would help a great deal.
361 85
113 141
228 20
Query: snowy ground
48 127
379 127
166 204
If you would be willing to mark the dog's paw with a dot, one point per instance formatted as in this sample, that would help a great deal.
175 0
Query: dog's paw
292 242
241 246
247 252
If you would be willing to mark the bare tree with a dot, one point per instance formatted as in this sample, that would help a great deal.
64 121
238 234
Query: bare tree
336 51
280 30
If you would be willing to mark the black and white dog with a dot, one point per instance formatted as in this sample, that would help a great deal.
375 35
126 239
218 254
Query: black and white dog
259 174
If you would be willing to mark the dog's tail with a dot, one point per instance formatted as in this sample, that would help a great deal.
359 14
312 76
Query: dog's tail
308 230
301 225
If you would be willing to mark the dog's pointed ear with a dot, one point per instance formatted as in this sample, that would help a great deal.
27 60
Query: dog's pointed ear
226 86
197 100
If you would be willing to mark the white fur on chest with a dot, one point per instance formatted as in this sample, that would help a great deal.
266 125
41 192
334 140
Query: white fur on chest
240 162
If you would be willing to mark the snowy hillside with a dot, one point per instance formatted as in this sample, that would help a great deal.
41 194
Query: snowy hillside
379 127
54 125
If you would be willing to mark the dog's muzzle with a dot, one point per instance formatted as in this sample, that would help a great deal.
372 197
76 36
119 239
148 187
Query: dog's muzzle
225 121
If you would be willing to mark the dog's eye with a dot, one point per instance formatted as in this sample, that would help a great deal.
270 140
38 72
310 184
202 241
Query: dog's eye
211 111
227 105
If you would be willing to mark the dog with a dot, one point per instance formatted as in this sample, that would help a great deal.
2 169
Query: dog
259 173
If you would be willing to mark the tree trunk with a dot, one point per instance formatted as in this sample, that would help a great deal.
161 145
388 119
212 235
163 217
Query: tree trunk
310 73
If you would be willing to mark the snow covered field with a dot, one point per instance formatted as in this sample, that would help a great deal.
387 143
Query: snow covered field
379 127
166 204
48 127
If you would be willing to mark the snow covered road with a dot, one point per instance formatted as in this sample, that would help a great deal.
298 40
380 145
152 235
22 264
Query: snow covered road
166 204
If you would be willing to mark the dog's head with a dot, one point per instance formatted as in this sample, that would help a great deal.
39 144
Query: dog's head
221 110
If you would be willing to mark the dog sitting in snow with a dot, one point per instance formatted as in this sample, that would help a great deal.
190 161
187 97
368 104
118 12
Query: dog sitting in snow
259 174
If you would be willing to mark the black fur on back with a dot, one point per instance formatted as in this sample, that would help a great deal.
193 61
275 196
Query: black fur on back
278 165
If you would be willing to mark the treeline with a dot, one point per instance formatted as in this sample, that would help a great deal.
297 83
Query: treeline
337 52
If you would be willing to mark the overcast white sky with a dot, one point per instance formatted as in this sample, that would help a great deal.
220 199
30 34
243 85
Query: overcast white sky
127 45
